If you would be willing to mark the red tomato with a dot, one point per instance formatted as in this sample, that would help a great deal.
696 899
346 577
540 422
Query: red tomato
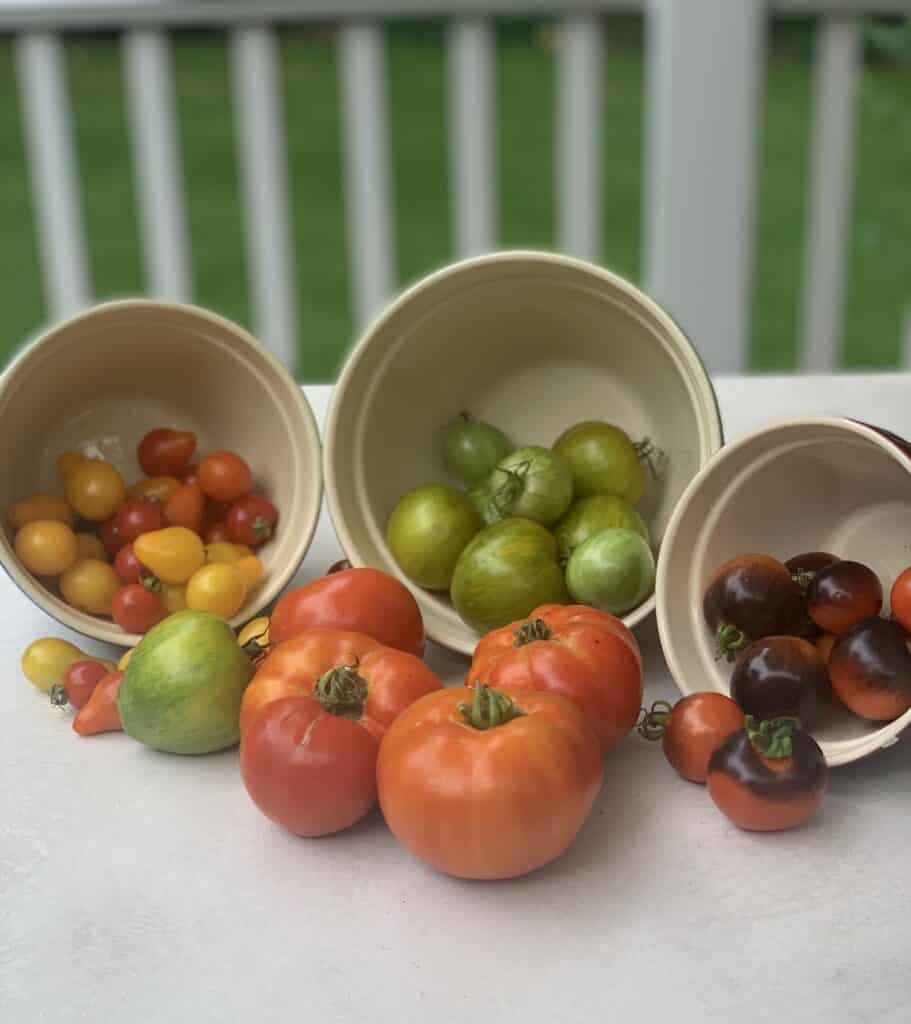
217 533
488 784
190 475
137 516
693 730
387 680
78 683
109 533
127 565
251 520
900 600
136 609
101 713
166 452
365 600
575 651
225 476
185 507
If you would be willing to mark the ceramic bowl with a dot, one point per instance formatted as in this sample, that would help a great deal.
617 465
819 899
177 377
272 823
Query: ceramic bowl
99 381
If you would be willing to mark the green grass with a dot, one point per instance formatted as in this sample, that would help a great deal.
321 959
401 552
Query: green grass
879 284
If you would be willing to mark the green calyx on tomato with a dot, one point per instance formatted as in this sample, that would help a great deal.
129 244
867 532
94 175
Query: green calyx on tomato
772 737
530 631
472 449
489 708
342 691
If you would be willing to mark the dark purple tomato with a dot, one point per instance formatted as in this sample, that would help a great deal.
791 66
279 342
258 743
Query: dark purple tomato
843 594
781 676
804 567
870 669
769 776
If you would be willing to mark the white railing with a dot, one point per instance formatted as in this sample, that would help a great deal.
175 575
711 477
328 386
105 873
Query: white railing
705 66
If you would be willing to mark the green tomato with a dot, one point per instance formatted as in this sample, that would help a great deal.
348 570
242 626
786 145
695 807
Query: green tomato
592 515
428 530
481 497
506 571
602 460
530 483
613 570
472 449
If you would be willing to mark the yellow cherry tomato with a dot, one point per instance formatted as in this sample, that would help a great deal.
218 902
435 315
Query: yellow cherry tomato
154 488
40 506
217 588
67 462
173 597
224 551
45 660
172 554
125 660
255 629
46 547
95 489
89 585
251 572
90 546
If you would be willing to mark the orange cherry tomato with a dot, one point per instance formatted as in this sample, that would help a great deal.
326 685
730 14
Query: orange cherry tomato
224 476
40 506
101 713
90 546
154 488
482 783
46 547
166 452
89 585
693 730
365 600
185 507
578 652
900 599
95 489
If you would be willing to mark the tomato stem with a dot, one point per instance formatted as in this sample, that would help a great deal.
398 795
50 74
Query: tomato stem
803 578
652 721
772 737
728 641
342 691
58 696
489 708
262 528
150 582
530 631
653 456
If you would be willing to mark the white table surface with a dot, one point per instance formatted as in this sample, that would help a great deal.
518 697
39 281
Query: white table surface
143 888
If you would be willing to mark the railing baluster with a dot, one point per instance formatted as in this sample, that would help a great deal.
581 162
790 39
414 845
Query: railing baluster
149 79
371 236
579 117
471 54
255 62
54 171
838 54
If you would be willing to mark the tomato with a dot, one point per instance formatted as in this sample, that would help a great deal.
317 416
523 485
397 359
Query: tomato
870 669
900 599
225 476
338 566
769 776
428 530
217 533
47 507
95 489
174 597
602 460
172 554
218 588
185 507
78 683
472 449
251 520
89 585
166 452
224 551
592 515
154 488
190 475
843 594
505 571
137 516
101 713
90 546
365 600
136 609
251 572
46 547
488 784
692 730
782 676
127 565
109 532
385 679
67 462
530 483
579 653
45 660
614 570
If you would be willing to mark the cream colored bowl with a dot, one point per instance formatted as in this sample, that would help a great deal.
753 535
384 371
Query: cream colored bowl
99 381
532 342
821 484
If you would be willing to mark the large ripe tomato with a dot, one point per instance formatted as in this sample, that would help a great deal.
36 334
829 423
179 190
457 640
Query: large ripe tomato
588 656
388 680
364 600
487 784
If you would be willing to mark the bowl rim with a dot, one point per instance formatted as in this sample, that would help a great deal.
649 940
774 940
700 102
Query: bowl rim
877 739
107 631
686 349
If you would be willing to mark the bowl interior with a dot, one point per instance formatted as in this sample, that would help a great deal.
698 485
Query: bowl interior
807 486
531 345
99 382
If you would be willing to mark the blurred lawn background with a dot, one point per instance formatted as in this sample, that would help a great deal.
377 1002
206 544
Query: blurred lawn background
879 260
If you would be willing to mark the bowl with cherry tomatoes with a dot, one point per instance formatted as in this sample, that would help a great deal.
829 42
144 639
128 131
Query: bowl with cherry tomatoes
784 582
501 416
165 460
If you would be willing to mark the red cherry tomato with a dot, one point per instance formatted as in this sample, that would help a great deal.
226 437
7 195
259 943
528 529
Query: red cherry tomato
224 476
137 516
190 475
900 600
110 536
185 507
136 609
217 533
251 520
127 564
166 452
78 683
693 730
